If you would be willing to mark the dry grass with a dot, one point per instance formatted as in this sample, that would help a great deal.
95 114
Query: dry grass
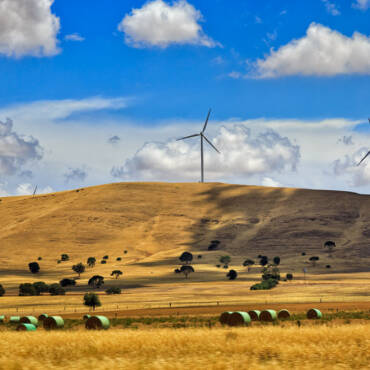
321 347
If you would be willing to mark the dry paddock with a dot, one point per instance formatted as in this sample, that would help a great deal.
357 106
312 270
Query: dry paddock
272 347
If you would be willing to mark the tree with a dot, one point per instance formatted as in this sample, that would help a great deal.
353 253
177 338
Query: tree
225 260
64 257
56 289
186 258
113 290
119 259
41 287
39 259
79 268
105 257
248 263
289 277
67 282
270 272
2 290
214 245
186 270
232 275
116 273
125 252
263 260
330 245
91 261
91 300
34 267
27 289
177 271
314 259
103 262
96 281
276 260
199 256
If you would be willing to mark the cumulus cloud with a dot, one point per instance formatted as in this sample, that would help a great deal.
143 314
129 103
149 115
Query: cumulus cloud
361 4
322 52
160 24
16 150
28 189
348 165
241 155
268 181
28 28
75 174
74 37
331 7
114 140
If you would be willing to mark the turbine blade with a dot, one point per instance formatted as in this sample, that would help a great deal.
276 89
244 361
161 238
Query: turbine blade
205 123
187 137
211 144
364 158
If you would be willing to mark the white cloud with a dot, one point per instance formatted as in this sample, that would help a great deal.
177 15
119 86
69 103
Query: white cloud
76 174
235 75
322 52
74 37
331 7
28 27
241 154
362 4
160 24
28 189
16 150
268 181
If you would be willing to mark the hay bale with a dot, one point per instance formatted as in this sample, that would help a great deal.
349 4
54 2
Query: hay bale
283 314
14 319
268 315
87 316
239 318
314 313
97 322
53 322
254 314
224 318
29 320
42 317
26 327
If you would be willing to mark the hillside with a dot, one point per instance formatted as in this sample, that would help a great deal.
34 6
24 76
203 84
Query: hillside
156 221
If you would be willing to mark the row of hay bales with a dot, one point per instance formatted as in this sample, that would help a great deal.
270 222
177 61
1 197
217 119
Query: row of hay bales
240 318
31 323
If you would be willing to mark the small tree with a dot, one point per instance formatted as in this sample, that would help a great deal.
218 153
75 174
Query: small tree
276 260
119 259
113 290
34 267
56 289
79 268
248 263
125 252
270 272
289 277
96 281
39 259
27 289
91 261
2 290
64 257
177 271
263 260
186 270
103 262
225 260
116 273
41 287
105 257
232 275
67 282
91 300
186 258
330 245
314 259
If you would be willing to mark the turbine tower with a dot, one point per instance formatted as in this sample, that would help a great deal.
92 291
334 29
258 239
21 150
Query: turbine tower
366 154
202 137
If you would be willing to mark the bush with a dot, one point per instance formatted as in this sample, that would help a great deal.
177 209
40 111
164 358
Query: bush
232 275
34 267
91 300
303 253
119 259
214 245
264 285
225 260
186 257
199 256
103 262
96 281
177 271
64 257
328 266
270 272
67 282
113 290
263 260
2 290
27 289
125 252
218 266
59 261
56 289
39 259
91 261
41 287
105 257
289 277
276 260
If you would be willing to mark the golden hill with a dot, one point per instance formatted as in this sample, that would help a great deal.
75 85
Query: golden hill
156 221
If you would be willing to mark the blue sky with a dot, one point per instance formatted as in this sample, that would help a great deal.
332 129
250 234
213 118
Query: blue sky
74 76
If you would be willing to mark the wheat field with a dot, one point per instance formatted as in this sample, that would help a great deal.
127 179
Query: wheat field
269 347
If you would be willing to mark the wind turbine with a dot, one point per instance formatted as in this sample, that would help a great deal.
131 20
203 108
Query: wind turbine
202 137
366 154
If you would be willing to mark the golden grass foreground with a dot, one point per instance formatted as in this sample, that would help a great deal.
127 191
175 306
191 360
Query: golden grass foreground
315 347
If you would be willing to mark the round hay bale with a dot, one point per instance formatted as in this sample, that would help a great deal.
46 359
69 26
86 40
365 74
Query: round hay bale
283 314
53 322
239 318
87 316
2 318
254 314
97 322
314 313
29 320
42 317
26 327
224 318
14 319
268 315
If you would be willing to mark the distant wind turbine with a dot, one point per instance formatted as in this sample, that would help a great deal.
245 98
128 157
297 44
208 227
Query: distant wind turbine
366 154
202 136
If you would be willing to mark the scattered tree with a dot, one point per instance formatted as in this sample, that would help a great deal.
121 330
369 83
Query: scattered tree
213 245
59 261
232 275
199 256
79 268
225 260
264 260
103 262
218 266
265 284
276 260
91 300
39 259
64 257
270 272
34 267
41 287
328 266
118 259
248 263
314 259
27 289
303 253
2 290
113 290
125 252
177 271
67 282
96 281
56 289
105 257
289 277
116 273
186 270
91 261
186 258
330 245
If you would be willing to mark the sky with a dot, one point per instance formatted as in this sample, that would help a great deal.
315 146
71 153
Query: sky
98 94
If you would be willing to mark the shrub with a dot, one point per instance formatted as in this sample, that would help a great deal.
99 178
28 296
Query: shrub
125 252
303 253
91 261
232 275
56 289
199 256
218 266
105 257
79 268
41 287
276 260
67 282
225 266
2 290
270 272
91 300
119 259
264 285
59 261
113 290
264 260
225 260
103 262
64 257
328 266
186 257
39 259
34 267
177 271
214 245
27 289
314 259
289 277
248 263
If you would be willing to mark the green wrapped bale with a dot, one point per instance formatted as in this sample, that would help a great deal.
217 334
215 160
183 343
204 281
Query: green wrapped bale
314 313
29 320
283 314
2 319
26 327
224 318
239 318
43 316
254 314
14 319
87 316
53 322
268 315
97 322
